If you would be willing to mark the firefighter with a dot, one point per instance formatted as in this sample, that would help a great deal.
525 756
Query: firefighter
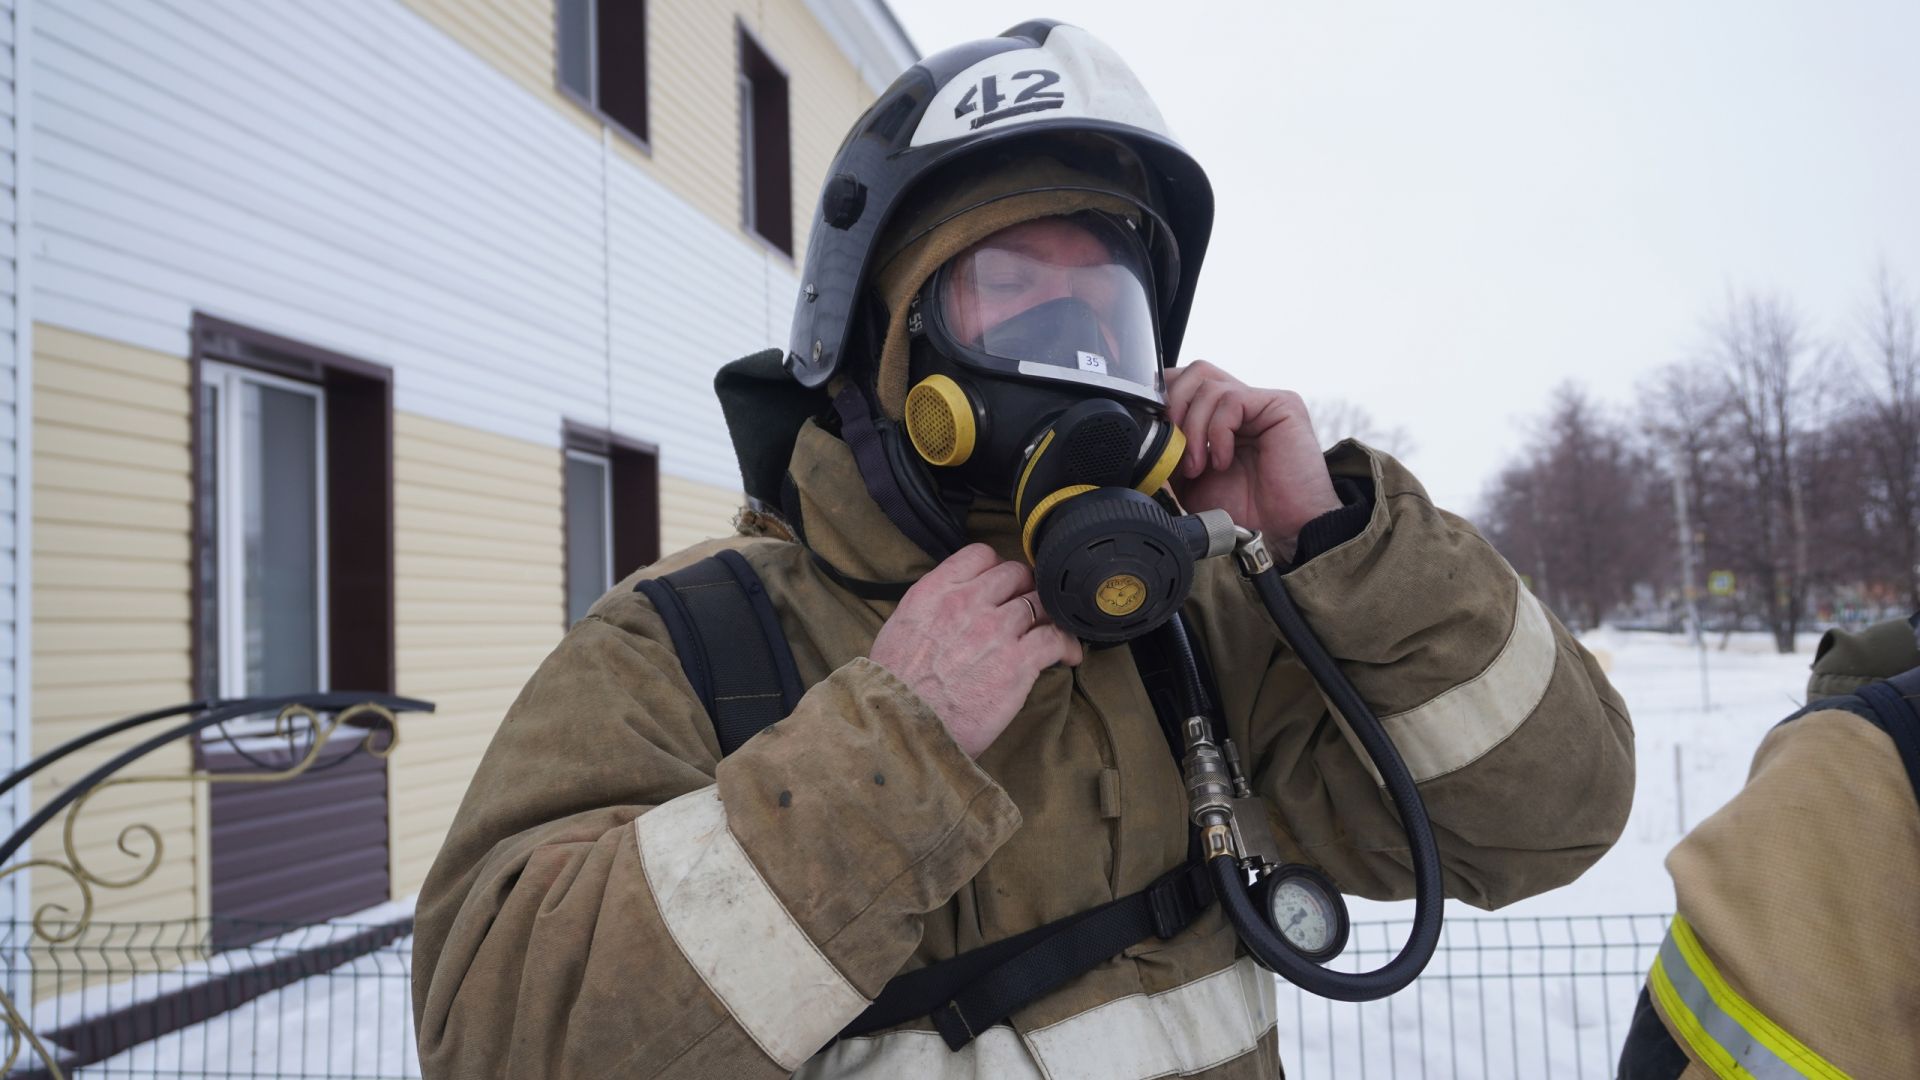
774 787
1791 952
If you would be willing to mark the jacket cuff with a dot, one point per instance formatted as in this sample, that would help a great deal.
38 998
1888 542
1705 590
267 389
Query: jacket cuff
1335 527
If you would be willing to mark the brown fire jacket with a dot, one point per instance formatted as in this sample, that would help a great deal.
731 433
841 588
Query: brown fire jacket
1794 952
615 900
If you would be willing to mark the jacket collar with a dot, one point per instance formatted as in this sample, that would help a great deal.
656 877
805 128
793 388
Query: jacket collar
843 525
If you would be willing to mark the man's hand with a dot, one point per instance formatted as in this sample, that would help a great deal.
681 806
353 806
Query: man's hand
1250 452
966 641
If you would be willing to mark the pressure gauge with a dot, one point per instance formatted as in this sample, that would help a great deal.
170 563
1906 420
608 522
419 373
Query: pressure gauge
1306 910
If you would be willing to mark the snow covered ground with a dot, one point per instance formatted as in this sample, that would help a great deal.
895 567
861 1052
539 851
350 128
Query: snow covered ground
1544 988
1547 986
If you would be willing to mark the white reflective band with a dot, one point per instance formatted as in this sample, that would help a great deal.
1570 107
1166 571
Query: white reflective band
735 932
1087 376
1459 725
1182 1031
1734 1040
1174 1033
998 1054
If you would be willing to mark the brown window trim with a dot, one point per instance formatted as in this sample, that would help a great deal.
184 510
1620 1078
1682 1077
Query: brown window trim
360 570
640 141
749 49
634 473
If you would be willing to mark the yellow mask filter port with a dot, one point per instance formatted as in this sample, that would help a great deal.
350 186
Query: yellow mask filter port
1121 595
940 421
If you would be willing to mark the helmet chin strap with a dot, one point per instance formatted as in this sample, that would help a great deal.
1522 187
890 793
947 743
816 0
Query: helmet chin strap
881 454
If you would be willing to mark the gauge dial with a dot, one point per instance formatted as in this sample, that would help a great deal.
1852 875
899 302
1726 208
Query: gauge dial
1307 911
1303 916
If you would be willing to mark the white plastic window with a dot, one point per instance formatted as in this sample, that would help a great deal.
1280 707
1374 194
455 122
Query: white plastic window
265 461
589 531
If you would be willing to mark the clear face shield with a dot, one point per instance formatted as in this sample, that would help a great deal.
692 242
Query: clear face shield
1068 299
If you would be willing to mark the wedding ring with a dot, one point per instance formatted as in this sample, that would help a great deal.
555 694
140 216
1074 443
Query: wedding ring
1033 617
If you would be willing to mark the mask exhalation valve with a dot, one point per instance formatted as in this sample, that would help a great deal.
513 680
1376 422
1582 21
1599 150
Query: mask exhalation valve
1111 565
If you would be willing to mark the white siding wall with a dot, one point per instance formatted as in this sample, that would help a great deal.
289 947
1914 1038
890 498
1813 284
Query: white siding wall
345 174
14 746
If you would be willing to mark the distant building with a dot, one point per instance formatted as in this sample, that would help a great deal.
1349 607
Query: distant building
361 344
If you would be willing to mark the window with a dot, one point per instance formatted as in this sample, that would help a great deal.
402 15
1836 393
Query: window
293 516
603 58
263 455
589 531
293 591
612 490
766 170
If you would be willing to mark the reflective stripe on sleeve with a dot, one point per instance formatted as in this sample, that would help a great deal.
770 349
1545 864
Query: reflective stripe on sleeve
1177 1032
1458 726
1722 1029
734 931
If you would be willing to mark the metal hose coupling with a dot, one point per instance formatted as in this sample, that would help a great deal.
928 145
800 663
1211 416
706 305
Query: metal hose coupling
1210 790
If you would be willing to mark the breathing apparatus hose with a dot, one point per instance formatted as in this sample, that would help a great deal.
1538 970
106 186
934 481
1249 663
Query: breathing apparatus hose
1229 880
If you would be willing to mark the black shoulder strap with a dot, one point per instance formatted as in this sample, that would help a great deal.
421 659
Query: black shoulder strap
717 610
972 992
1892 703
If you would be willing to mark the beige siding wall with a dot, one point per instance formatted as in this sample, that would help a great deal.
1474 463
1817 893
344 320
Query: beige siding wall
479 598
480 594
694 117
516 36
690 513
112 496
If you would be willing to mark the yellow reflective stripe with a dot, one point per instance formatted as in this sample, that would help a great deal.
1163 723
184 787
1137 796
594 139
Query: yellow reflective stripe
1711 1054
1770 1034
1710 1014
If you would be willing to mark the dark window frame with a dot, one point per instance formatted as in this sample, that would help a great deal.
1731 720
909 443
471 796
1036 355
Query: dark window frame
591 98
765 98
359 496
243 873
633 478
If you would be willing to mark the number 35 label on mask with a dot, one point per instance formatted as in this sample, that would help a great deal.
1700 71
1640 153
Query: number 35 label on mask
1093 362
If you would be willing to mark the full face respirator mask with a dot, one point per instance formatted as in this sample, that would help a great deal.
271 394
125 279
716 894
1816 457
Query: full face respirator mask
1036 379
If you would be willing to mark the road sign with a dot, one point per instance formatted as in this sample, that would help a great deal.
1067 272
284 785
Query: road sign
1720 583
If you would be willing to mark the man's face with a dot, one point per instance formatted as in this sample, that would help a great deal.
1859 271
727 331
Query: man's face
1026 265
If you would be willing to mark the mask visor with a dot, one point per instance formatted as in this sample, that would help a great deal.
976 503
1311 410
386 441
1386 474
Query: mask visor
1067 299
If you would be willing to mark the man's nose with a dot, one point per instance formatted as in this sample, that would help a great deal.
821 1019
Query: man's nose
1054 285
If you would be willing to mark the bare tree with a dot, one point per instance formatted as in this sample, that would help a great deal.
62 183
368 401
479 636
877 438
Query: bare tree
1682 415
1581 516
1764 356
1335 419
1888 419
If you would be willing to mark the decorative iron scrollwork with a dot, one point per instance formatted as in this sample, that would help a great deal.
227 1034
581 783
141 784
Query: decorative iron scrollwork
307 723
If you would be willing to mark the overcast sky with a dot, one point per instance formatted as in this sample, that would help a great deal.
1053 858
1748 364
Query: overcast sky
1440 211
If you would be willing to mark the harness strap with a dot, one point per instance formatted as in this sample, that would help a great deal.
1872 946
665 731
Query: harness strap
972 992
857 430
717 607
1892 702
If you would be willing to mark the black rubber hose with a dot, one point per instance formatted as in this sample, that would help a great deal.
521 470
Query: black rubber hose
1194 699
1230 883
